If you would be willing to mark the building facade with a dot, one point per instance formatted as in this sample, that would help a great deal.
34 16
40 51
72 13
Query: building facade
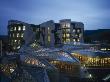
48 34
15 32
71 31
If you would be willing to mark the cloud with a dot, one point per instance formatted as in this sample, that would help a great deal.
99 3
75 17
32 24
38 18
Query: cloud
94 13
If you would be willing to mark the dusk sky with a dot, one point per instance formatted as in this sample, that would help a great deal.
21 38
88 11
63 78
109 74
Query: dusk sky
95 14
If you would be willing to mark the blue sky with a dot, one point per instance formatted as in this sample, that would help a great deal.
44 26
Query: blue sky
95 14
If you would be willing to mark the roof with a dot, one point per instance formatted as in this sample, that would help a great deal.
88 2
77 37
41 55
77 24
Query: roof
92 53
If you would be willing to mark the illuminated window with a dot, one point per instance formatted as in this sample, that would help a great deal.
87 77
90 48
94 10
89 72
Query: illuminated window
67 40
74 40
64 35
24 27
13 35
17 34
11 29
78 30
74 30
14 28
19 28
108 48
22 35
67 30
48 38
67 35
14 48
78 40
66 25
48 34
79 35
76 35
103 49
15 40
18 47
18 41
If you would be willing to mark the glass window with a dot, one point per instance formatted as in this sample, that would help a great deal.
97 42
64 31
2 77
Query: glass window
63 35
78 30
14 28
67 30
24 27
67 40
78 40
11 28
19 28
76 35
67 35
74 30
18 47
74 40
15 40
17 34
18 41
79 35
22 35
67 24
13 35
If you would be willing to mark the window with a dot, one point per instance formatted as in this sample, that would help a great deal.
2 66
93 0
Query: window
13 35
76 35
66 25
78 30
15 40
11 29
14 28
22 35
78 40
74 40
17 34
67 30
74 30
18 41
18 47
79 35
19 28
67 40
24 27
63 35
67 35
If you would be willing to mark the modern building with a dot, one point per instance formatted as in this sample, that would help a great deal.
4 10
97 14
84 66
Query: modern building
15 32
71 31
48 34
65 31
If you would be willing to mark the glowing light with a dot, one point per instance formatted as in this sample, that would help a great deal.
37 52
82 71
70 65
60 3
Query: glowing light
19 28
108 48
11 70
18 47
103 49
15 28
90 76
15 40
24 27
